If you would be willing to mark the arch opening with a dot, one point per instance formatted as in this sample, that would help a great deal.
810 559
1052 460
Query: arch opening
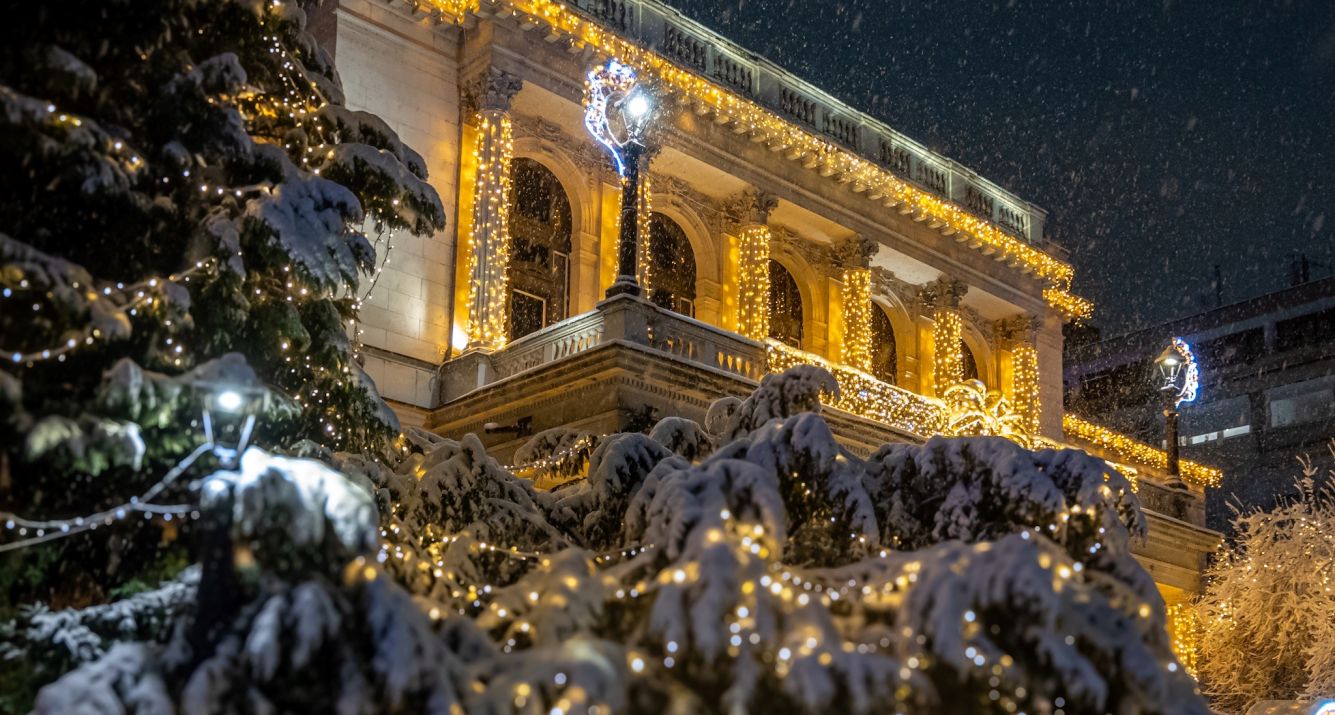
785 306
672 266
539 243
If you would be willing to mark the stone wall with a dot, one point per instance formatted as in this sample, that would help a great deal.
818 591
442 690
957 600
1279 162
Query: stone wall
407 74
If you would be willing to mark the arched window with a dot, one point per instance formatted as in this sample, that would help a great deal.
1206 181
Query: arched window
785 306
672 264
540 229
884 361
970 363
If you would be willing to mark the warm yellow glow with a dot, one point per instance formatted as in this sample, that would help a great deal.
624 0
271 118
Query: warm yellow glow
865 396
1071 306
489 233
1123 447
753 282
644 214
817 153
1024 366
948 349
1182 633
857 318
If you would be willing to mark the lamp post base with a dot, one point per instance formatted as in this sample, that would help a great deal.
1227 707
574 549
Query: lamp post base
624 285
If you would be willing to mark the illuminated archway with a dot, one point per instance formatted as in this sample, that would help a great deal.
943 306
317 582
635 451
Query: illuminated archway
672 261
785 305
540 240
884 353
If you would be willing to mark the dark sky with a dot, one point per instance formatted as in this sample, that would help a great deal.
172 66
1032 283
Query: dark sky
1164 137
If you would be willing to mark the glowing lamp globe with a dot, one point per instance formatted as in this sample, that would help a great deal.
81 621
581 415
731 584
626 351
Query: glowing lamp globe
229 400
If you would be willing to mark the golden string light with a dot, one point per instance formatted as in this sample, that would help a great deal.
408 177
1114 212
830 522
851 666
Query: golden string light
132 296
818 153
1183 633
1027 401
753 282
948 349
644 210
857 318
489 232
862 394
1123 447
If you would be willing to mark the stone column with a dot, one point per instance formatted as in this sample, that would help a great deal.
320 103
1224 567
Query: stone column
853 256
941 299
753 267
489 234
1017 338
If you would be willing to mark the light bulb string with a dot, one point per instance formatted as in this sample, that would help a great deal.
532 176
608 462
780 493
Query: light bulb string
138 293
49 529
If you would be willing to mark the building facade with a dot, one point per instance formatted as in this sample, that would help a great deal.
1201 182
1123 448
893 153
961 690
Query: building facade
1267 392
780 227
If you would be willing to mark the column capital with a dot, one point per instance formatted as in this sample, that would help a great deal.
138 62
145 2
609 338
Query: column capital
1017 329
492 89
751 207
855 251
944 292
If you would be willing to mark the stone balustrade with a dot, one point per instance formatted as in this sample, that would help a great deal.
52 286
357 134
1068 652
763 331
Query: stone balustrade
706 53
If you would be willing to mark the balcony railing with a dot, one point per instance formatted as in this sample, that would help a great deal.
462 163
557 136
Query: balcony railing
630 321
706 53
636 322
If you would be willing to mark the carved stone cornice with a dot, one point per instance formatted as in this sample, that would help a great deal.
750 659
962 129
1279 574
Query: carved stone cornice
944 292
492 89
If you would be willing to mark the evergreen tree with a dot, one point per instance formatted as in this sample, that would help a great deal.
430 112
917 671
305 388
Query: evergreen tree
772 570
179 181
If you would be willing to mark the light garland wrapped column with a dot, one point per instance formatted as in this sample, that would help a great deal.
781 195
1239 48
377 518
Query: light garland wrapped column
948 344
942 297
857 318
1026 399
753 267
489 229
644 262
854 256
1017 337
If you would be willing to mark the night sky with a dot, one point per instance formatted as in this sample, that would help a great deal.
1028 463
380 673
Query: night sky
1164 138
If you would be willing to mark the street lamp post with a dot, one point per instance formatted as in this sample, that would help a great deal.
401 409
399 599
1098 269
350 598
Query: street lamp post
617 112
1181 378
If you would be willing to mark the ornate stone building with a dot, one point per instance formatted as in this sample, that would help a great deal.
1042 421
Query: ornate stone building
781 227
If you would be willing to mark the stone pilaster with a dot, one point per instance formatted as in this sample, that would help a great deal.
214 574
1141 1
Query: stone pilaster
489 252
853 257
753 266
941 299
1016 337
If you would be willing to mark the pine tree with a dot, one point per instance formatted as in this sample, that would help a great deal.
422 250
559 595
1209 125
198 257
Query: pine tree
1267 616
179 181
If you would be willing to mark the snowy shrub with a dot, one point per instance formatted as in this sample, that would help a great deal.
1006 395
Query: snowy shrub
1267 616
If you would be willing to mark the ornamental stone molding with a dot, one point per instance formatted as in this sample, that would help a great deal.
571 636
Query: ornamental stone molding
855 251
1018 329
885 283
944 292
493 89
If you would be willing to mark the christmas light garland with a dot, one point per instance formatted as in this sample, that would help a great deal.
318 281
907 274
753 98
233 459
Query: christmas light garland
948 349
1024 358
753 282
1124 447
489 232
818 153
857 318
